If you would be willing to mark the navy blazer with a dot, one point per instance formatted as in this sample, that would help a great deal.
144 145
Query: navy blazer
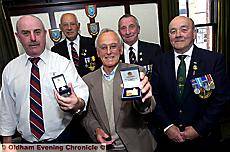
202 114
87 51
147 53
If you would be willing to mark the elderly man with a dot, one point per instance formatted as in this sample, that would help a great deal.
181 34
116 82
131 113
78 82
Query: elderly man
28 102
120 124
190 87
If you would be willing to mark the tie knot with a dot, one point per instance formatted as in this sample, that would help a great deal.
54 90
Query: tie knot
182 57
71 43
131 48
34 60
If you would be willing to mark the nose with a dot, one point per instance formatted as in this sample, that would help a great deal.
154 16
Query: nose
108 50
178 33
127 30
32 36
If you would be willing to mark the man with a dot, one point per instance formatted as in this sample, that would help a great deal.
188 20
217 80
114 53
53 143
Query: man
28 101
119 124
82 52
190 90
75 47
135 50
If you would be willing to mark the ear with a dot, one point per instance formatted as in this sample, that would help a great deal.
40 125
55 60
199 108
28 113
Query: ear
17 35
121 50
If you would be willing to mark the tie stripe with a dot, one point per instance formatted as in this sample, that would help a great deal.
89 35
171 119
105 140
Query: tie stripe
36 115
74 54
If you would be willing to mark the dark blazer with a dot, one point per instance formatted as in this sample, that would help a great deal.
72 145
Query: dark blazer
147 53
87 51
129 122
202 114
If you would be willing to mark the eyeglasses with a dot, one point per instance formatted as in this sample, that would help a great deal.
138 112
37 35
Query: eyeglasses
67 24
112 47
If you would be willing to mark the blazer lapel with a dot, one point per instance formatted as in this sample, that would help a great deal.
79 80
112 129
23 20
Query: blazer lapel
195 60
97 94
117 93
170 65
140 53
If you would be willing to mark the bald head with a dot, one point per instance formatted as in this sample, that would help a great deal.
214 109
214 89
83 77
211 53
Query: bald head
182 19
25 20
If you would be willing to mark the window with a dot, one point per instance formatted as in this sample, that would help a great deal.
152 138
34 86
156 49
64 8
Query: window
203 14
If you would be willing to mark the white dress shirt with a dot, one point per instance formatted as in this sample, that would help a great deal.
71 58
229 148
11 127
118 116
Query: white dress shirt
76 45
177 63
126 51
15 95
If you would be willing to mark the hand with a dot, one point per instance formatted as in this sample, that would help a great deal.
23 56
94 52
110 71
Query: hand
189 133
70 103
101 137
173 133
146 88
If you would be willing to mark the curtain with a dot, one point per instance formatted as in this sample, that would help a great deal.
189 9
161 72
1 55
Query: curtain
168 9
8 49
224 31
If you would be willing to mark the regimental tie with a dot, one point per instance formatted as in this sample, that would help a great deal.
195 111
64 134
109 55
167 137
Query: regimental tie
36 115
74 54
132 56
181 75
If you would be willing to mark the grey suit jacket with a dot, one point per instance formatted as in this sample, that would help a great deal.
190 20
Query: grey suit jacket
129 122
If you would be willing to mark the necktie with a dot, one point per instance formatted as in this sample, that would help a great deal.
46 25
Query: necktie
132 56
74 54
36 115
181 75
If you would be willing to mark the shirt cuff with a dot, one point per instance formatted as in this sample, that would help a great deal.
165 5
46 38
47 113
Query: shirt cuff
168 127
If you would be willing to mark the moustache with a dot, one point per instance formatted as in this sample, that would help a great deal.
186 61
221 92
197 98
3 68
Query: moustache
34 43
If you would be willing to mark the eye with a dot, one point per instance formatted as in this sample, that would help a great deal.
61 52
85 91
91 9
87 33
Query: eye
173 31
37 32
103 47
132 26
25 33
113 46
184 29
123 28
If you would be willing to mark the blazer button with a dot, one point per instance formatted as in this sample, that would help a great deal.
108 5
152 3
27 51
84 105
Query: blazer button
180 111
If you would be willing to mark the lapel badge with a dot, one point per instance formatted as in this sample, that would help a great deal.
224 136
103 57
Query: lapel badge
203 86
195 68
84 51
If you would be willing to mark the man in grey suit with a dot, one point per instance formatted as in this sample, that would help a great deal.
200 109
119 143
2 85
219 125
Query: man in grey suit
120 124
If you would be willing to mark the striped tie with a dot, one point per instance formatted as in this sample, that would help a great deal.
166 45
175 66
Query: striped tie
36 116
132 56
74 55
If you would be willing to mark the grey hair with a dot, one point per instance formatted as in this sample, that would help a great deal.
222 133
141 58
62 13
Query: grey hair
106 30
126 16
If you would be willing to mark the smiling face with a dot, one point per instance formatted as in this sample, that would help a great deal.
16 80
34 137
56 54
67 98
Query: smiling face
69 26
129 29
109 49
32 35
181 33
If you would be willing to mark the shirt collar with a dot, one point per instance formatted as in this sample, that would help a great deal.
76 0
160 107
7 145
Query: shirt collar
76 41
135 46
110 76
188 53
43 57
